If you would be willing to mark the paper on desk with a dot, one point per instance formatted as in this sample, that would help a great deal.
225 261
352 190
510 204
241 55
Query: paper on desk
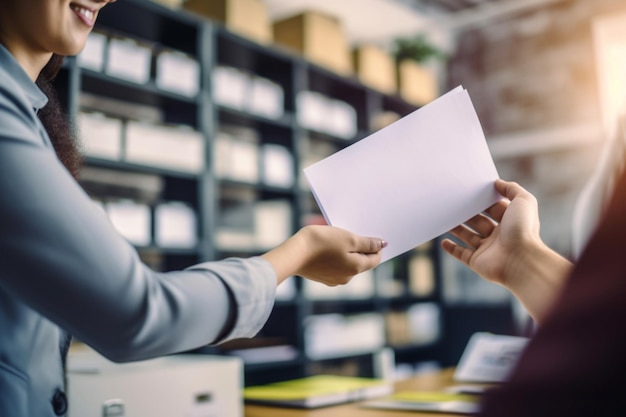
411 181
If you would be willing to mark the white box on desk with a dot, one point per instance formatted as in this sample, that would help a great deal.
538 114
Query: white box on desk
174 386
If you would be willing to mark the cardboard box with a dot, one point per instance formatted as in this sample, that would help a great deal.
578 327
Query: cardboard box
319 37
375 68
416 84
248 18
170 3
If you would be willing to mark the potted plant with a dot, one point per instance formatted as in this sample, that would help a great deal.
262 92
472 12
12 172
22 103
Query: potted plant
416 83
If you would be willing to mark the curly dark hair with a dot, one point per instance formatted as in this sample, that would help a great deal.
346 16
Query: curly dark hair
56 122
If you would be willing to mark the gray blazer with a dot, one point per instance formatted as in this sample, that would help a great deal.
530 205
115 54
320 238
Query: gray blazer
63 268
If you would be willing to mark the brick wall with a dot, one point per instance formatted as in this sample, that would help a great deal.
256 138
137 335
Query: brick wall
535 72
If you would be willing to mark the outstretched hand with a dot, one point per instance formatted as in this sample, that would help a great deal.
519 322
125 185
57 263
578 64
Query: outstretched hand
503 246
492 240
326 254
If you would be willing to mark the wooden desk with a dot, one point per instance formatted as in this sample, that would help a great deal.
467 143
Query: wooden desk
429 382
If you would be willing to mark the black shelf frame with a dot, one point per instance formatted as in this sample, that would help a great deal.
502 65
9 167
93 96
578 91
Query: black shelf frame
211 44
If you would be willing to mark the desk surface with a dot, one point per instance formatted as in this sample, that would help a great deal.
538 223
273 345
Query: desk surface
429 382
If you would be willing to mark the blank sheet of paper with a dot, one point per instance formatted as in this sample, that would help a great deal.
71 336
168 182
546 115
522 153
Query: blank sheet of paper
411 181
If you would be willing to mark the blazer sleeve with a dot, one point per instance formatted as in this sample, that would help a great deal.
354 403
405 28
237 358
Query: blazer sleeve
60 255
576 363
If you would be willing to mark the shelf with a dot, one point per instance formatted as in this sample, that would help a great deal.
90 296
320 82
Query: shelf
264 61
240 117
91 79
320 306
131 167
398 105
408 300
344 355
337 141
414 348
170 251
271 366
212 46
262 188
173 108
158 24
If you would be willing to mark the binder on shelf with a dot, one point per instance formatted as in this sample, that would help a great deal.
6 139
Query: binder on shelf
131 219
329 336
421 275
235 228
317 112
178 72
278 166
360 287
265 98
417 325
244 161
286 290
272 222
129 60
317 391
101 136
92 55
311 110
178 148
314 151
236 154
175 225
424 323
342 120
230 87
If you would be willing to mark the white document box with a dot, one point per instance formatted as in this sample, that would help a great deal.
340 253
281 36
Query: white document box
174 386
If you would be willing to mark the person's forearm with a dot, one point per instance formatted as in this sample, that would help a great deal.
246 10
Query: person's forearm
287 258
536 278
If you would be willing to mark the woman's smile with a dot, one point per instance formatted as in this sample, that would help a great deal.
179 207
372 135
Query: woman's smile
86 15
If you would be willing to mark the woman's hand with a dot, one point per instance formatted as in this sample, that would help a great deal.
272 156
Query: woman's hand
495 240
326 254
503 245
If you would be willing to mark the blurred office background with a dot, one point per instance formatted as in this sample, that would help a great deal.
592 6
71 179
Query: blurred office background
547 78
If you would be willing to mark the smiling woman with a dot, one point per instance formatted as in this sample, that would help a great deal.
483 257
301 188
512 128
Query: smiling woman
69 272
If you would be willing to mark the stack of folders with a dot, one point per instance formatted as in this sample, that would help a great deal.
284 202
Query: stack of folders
327 115
317 391
335 335
243 91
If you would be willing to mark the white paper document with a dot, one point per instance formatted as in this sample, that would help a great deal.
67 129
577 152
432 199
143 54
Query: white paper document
413 180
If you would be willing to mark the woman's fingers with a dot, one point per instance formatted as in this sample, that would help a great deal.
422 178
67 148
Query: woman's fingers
496 211
481 224
467 236
459 252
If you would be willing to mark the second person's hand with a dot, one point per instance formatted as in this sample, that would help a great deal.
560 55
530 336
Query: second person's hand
503 245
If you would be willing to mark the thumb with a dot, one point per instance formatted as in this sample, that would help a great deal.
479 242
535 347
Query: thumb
369 245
